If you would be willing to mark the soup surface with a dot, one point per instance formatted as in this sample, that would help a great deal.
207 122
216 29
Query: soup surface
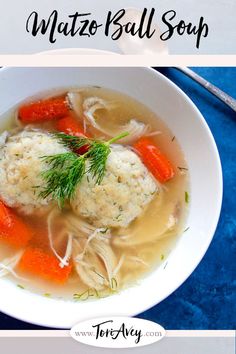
76 231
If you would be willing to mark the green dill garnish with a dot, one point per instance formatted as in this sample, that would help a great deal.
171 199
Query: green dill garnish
162 257
71 142
186 197
20 286
66 170
98 155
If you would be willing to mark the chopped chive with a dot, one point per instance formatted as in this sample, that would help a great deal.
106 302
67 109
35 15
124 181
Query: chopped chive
81 296
20 286
186 197
114 284
47 295
90 292
100 275
96 293
182 168
104 231
85 295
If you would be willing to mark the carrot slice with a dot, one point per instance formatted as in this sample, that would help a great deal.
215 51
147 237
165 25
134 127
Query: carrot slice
70 125
37 262
44 110
13 230
155 160
5 217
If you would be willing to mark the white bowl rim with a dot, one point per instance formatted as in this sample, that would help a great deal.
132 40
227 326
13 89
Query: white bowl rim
138 308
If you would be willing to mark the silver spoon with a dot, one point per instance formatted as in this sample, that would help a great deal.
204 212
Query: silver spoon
221 95
154 46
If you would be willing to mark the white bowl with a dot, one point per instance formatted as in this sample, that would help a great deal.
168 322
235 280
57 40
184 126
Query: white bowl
188 125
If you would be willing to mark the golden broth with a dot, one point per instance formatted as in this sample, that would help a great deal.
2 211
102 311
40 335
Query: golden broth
149 241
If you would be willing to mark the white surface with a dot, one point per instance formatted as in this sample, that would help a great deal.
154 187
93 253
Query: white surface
169 345
187 124
219 14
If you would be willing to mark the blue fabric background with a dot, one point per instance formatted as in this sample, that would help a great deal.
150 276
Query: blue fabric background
207 299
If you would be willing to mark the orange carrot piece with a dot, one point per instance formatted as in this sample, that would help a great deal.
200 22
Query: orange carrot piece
5 218
155 160
39 263
44 110
13 230
70 125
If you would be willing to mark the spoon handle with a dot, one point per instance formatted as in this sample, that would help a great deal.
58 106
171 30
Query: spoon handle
221 95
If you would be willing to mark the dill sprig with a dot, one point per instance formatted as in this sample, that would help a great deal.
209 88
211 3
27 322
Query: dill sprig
98 154
66 170
72 142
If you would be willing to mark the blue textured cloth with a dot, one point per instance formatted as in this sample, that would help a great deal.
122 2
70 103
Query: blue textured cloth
207 299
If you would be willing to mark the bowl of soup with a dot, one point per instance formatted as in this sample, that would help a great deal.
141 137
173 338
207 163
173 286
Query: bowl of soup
106 177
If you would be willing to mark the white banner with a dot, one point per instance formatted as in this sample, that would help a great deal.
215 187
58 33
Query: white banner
180 27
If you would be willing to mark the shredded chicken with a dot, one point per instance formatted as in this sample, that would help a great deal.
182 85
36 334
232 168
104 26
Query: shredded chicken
8 265
95 262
